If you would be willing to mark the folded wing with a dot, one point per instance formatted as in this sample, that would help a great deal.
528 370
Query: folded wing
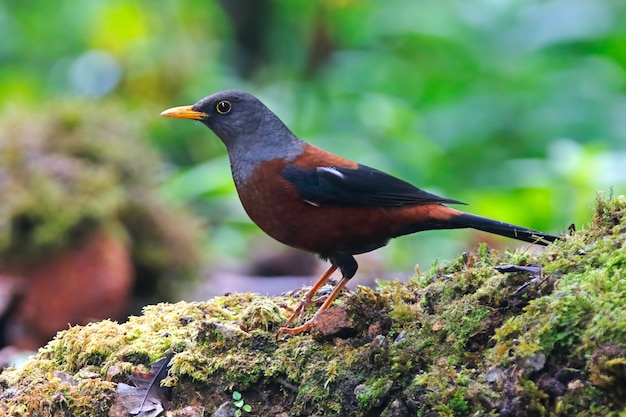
363 186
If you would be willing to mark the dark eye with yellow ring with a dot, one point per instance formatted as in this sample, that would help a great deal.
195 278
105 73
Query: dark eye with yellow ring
223 107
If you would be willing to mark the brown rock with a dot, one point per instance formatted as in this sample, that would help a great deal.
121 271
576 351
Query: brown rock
333 322
78 285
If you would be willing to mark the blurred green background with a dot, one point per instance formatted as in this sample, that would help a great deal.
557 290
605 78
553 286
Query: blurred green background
517 108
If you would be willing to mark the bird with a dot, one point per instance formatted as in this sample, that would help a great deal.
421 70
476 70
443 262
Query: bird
319 202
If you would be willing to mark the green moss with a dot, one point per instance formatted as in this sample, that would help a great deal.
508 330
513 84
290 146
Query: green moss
370 394
57 393
458 341
585 308
261 314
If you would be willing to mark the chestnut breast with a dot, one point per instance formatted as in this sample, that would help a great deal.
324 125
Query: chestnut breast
273 203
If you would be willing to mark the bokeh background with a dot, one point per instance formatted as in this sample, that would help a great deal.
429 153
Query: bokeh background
517 108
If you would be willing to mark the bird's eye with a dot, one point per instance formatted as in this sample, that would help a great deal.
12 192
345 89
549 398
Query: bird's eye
223 107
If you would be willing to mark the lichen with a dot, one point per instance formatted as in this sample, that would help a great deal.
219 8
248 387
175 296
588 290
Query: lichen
459 340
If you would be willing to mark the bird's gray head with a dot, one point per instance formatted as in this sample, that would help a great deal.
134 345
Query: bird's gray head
233 116
250 131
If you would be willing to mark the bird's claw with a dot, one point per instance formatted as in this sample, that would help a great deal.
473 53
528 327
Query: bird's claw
299 312
296 330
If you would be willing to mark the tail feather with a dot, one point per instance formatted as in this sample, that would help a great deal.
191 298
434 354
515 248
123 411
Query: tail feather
503 229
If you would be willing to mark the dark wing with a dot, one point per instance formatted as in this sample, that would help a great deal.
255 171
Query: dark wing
364 186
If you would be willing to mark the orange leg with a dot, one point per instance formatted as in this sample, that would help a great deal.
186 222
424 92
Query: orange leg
309 324
306 300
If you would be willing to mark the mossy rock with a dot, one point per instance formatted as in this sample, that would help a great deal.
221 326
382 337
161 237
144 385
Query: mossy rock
459 340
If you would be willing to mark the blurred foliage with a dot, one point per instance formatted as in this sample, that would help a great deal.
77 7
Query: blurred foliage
515 107
70 169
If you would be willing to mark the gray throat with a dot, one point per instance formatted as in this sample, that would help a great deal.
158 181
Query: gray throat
246 154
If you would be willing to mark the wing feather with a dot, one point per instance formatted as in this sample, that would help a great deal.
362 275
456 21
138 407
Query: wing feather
363 186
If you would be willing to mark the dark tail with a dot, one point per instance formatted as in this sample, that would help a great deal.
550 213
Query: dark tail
503 229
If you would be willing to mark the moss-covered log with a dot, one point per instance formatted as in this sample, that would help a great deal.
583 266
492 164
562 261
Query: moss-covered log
460 340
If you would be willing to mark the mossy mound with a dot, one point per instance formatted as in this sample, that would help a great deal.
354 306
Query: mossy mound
72 167
462 340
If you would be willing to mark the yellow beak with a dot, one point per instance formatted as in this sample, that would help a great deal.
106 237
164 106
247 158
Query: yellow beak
184 112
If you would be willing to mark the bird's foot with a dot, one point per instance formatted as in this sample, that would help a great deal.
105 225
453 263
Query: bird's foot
299 313
307 300
309 324
318 300
296 330
302 307
300 310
